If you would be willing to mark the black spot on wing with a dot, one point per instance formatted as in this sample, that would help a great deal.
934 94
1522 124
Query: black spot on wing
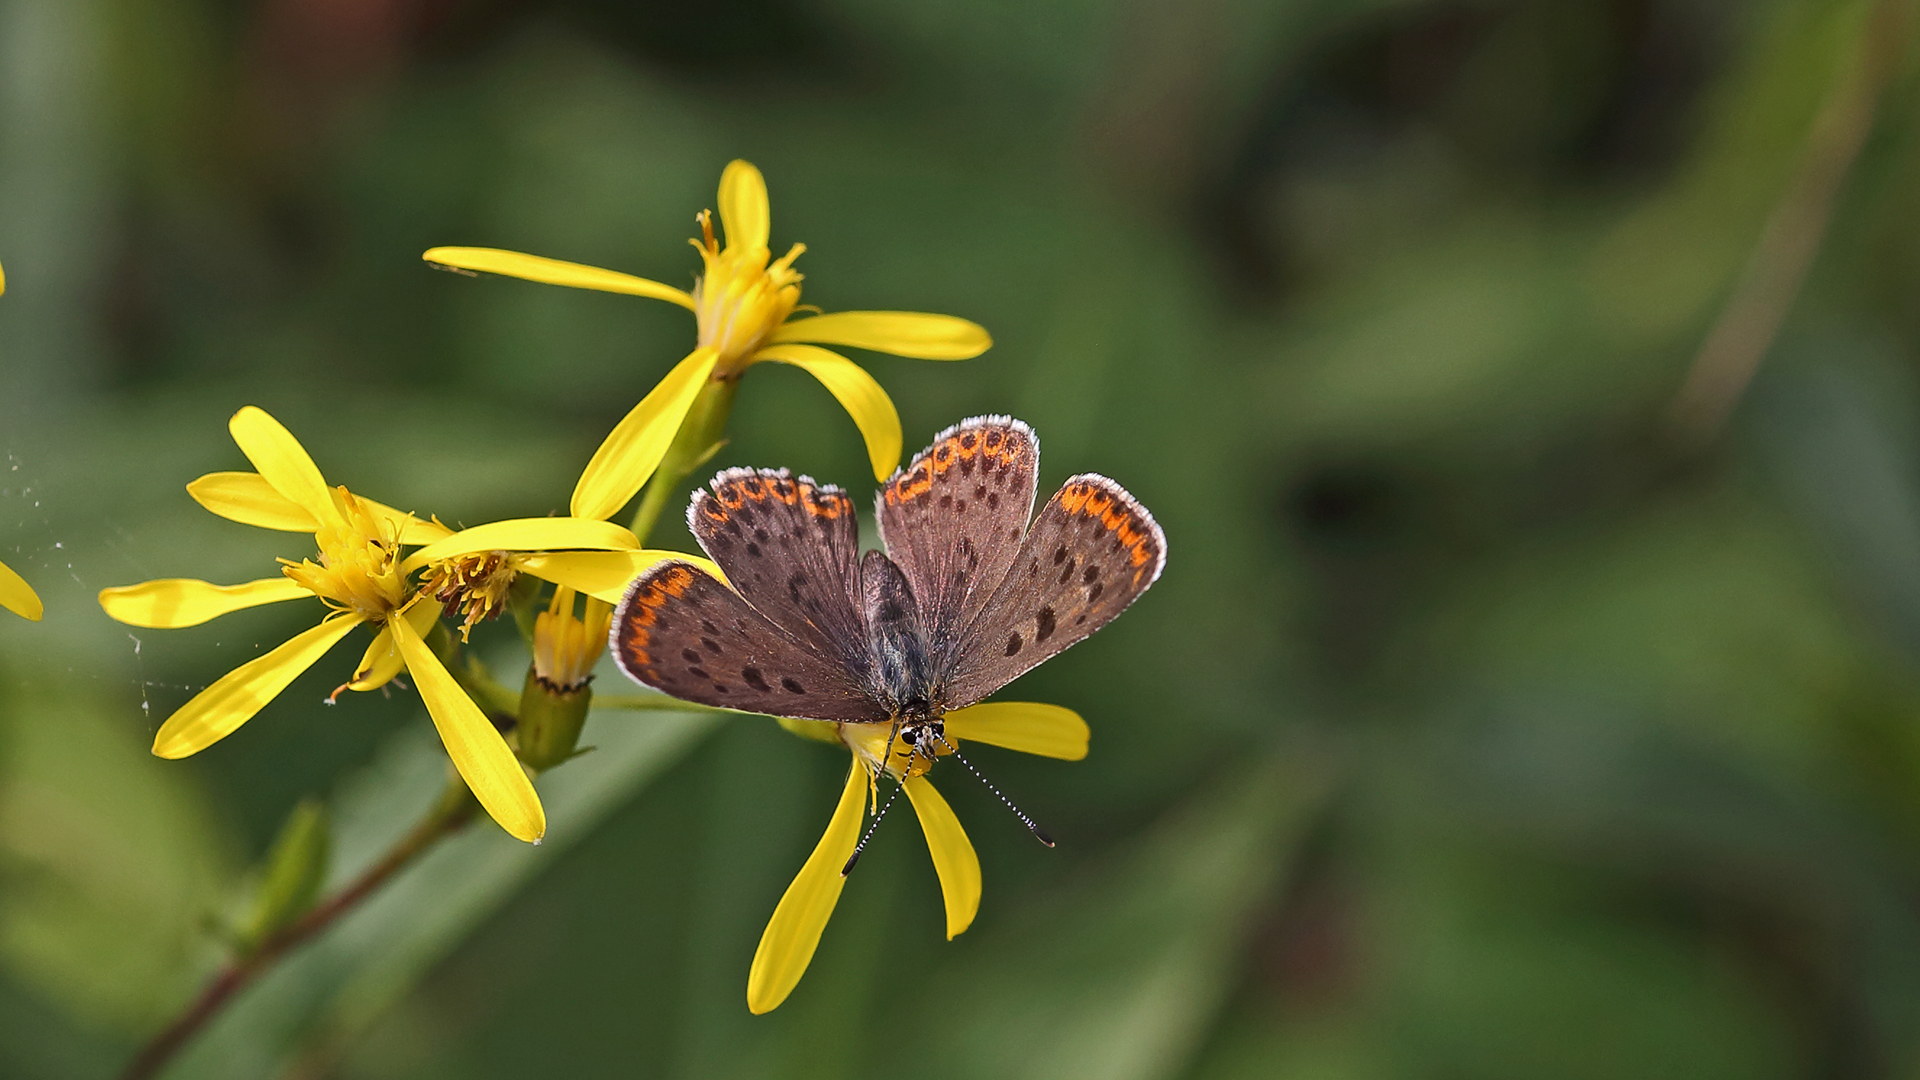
1099 549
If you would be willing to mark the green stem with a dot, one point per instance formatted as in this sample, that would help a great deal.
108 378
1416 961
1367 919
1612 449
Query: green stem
700 436
652 502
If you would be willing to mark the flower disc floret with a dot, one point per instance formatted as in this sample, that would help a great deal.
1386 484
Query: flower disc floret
472 587
740 300
359 568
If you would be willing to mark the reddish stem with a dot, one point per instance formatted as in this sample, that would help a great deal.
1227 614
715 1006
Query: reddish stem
447 817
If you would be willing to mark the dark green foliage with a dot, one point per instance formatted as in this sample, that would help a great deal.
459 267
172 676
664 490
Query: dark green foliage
1477 728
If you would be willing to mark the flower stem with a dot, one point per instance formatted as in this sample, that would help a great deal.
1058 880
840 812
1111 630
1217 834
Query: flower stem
652 502
700 436
454 809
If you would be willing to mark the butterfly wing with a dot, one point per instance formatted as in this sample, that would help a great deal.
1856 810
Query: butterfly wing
953 518
682 632
1092 551
791 548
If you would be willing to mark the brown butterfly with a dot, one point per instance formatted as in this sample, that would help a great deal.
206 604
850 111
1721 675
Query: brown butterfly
967 596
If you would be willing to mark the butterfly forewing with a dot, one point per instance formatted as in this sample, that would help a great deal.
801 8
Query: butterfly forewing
953 518
791 548
682 632
1091 552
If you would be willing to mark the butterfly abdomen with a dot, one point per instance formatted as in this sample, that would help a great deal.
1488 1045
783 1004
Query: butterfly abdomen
902 669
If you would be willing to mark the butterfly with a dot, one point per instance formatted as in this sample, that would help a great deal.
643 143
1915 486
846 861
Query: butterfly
970 592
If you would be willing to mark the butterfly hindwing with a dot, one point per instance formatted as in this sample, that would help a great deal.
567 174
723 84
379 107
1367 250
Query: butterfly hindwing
791 548
953 518
682 632
1092 551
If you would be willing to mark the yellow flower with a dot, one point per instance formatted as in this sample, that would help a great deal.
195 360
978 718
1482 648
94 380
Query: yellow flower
743 303
361 578
787 945
468 575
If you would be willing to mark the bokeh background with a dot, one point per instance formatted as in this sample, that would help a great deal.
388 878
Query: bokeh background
1485 724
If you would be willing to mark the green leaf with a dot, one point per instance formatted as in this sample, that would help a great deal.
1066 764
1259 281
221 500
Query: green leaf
1121 975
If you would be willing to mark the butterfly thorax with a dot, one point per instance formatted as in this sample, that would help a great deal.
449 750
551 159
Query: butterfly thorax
903 673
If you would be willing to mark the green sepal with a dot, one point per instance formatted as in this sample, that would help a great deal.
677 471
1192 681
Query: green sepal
523 600
296 867
550 721
701 436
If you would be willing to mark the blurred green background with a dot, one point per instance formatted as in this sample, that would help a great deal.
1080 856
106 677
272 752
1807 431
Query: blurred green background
1478 729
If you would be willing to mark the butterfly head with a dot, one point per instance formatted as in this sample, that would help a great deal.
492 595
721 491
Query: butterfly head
928 738
898 749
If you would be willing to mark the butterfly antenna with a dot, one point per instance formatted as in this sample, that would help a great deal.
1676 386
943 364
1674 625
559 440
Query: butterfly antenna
885 756
875 823
1038 833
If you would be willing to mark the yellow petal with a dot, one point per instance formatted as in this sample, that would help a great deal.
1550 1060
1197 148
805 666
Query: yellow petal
902 333
637 443
603 575
382 660
379 664
871 409
283 461
215 712
175 602
248 499
555 272
953 857
15 594
743 206
526 534
412 529
786 948
1026 726
476 748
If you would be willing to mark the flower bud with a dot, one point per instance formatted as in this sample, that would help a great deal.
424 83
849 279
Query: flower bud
296 866
554 702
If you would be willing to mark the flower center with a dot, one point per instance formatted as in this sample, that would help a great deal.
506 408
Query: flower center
471 585
565 648
359 569
740 299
